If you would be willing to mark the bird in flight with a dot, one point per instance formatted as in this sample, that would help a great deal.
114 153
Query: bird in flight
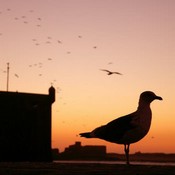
110 72
60 42
16 75
130 128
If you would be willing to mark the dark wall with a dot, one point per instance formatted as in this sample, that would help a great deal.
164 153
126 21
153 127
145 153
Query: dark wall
25 127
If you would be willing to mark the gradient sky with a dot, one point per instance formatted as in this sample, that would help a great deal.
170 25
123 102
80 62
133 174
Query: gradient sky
67 42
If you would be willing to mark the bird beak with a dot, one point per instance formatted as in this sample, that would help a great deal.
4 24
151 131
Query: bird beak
158 98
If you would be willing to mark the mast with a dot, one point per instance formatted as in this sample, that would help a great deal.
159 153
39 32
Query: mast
8 76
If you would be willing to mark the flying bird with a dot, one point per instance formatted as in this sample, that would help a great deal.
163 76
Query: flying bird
130 128
110 72
48 42
60 42
110 63
16 75
25 22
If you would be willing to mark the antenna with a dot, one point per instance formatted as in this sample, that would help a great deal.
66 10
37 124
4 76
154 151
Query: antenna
8 76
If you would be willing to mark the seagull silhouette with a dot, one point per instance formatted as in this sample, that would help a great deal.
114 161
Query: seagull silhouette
130 128
110 72
16 75
60 42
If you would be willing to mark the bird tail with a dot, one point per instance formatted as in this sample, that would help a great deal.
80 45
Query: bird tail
86 134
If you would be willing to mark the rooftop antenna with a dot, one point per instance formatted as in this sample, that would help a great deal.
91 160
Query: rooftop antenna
8 76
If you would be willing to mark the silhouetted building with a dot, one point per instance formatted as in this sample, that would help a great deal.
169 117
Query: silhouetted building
77 151
55 153
25 126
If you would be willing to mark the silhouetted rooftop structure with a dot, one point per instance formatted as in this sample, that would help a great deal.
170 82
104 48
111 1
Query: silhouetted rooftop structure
25 126
77 151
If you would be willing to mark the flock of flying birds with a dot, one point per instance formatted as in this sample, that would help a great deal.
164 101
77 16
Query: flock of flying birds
25 19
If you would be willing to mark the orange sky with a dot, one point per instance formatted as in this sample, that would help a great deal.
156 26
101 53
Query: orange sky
52 41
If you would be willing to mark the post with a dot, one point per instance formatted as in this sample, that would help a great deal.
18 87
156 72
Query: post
8 76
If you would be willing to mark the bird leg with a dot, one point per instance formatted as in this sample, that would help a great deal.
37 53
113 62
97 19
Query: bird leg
127 153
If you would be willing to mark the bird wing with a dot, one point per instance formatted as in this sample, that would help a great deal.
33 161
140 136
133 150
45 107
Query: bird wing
115 130
117 73
105 70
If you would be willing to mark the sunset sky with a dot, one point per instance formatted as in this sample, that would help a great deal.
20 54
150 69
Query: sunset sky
66 42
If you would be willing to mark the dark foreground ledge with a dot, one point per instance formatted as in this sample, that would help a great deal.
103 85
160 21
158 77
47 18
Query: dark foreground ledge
21 168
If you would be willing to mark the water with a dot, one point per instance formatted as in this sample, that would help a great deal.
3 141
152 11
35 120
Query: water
116 162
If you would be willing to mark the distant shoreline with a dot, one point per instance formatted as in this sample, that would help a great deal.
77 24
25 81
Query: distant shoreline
77 151
139 157
116 162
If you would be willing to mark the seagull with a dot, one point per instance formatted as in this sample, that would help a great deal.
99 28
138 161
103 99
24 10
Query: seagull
34 39
60 42
25 22
16 75
110 72
110 63
130 128
48 42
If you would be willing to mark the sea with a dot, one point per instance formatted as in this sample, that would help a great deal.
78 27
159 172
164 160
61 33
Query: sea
115 162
